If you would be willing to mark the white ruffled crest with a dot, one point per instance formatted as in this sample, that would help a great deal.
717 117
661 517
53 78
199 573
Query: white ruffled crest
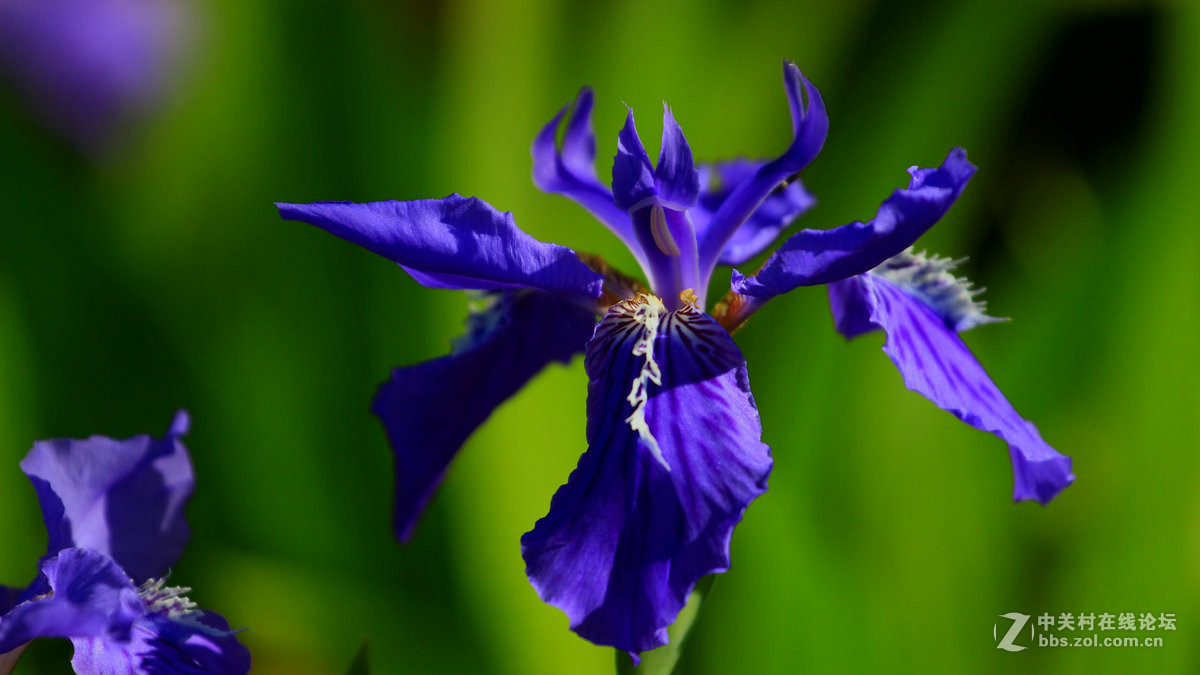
929 278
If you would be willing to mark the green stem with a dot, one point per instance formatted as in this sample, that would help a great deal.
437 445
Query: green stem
8 660
361 663
662 661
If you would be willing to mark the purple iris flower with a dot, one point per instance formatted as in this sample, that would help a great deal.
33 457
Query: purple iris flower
85 65
674 451
114 513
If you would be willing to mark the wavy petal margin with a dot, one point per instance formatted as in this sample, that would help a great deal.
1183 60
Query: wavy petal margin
90 595
454 242
123 498
812 257
936 363
674 458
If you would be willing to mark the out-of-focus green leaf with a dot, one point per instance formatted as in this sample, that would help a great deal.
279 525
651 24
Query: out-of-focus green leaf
361 664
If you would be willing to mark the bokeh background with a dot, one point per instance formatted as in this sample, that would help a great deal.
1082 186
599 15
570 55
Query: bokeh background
154 273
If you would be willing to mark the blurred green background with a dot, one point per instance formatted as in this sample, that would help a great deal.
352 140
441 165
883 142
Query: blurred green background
160 277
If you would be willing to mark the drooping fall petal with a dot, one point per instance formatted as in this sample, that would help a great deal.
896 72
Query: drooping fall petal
935 362
674 458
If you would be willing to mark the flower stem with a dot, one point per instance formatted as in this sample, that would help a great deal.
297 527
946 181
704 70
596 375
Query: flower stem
8 660
662 661
361 664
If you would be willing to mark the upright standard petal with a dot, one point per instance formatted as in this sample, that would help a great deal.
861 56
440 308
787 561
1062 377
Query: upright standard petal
572 171
813 257
777 211
657 200
674 458
675 177
935 363
454 243
809 127
123 498
428 410
632 174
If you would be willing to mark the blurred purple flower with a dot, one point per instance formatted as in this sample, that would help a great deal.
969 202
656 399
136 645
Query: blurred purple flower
674 441
87 65
114 513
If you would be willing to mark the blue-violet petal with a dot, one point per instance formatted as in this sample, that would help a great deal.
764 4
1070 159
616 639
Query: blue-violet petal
936 363
773 215
430 409
812 257
454 243
674 457
572 171
123 498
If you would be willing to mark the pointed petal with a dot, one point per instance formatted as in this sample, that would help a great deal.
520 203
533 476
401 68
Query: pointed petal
935 363
428 410
812 257
675 177
777 211
651 507
90 596
632 176
576 161
579 142
454 243
572 172
123 498
809 127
